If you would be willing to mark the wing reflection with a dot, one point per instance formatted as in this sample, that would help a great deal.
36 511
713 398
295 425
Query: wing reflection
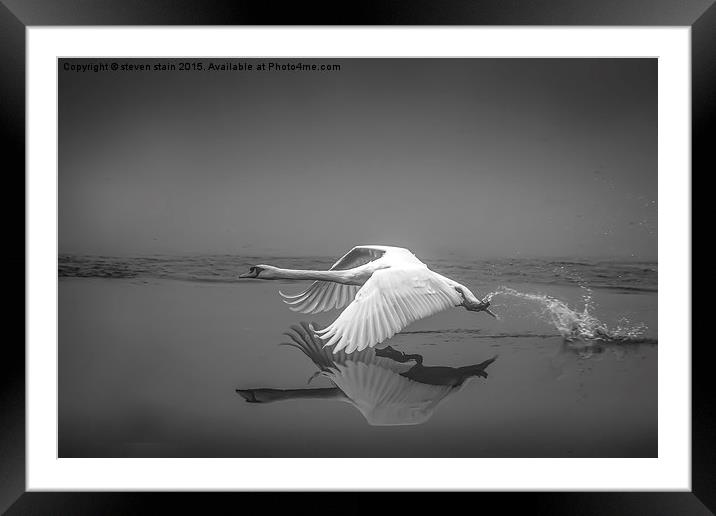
388 387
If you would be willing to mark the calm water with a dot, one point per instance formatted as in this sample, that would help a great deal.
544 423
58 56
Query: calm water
152 351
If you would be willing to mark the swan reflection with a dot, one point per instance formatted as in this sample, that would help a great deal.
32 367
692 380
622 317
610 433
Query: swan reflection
387 386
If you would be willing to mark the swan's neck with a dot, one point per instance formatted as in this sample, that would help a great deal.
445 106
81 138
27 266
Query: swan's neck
345 277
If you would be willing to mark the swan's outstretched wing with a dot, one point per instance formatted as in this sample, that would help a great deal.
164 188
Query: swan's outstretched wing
322 296
390 300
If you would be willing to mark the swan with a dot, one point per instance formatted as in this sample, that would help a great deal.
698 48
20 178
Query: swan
386 386
386 288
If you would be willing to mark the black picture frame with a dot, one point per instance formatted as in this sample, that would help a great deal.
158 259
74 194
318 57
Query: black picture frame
17 15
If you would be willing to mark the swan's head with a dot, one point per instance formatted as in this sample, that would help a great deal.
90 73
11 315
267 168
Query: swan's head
254 272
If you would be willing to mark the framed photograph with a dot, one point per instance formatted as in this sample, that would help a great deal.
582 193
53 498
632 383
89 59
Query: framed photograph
279 252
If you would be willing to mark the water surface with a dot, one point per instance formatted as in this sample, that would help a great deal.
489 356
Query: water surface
152 351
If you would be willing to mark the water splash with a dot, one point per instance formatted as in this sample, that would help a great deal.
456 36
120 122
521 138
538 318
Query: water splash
575 325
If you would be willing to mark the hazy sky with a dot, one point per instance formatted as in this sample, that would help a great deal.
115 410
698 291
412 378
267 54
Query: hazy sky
478 157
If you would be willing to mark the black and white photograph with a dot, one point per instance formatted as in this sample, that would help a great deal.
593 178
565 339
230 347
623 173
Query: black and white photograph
357 257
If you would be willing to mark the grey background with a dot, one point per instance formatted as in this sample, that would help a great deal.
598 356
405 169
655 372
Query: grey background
474 157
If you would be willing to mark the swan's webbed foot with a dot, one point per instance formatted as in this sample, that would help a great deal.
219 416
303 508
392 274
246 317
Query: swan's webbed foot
474 306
